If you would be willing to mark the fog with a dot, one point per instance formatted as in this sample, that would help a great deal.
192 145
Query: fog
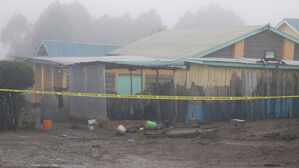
211 17
72 23
23 24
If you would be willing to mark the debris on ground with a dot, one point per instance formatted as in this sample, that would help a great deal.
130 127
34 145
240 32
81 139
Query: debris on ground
194 123
121 130
131 140
92 124
237 123
183 133
216 145
151 125
95 151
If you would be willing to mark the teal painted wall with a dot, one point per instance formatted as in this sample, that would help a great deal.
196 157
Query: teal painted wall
123 85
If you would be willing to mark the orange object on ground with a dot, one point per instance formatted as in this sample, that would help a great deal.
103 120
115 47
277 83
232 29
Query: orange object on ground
48 125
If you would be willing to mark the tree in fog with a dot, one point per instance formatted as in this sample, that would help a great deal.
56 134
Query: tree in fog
211 17
125 29
72 23
17 34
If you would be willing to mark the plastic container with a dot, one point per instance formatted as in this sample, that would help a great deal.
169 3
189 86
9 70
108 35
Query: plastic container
131 140
95 150
151 125
48 125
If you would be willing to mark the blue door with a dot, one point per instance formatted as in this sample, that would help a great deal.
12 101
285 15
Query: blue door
124 85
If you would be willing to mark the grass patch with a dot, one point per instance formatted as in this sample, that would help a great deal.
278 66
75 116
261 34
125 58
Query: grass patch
289 136
211 136
272 135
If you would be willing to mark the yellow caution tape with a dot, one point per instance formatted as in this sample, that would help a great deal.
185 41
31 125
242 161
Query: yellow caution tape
157 97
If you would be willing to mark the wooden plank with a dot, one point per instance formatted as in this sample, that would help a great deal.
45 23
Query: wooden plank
175 102
44 77
64 79
54 77
36 82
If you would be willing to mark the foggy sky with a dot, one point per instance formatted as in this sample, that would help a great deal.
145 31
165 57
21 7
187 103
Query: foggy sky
253 12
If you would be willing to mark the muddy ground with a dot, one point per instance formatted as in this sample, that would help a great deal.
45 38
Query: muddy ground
261 144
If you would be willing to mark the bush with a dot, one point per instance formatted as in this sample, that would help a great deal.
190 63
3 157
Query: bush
13 75
28 120
16 75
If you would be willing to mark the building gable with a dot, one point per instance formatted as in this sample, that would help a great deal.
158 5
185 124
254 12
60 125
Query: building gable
42 51
256 43
288 29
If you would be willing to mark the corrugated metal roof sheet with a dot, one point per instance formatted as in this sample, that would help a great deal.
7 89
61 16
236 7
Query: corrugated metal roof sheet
126 60
66 49
293 22
183 43
243 62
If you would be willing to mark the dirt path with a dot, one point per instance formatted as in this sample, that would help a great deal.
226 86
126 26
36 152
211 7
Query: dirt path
271 142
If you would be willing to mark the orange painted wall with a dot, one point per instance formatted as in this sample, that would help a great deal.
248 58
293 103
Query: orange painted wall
288 49
239 49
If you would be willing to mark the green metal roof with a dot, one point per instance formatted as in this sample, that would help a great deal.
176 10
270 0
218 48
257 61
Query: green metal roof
186 43
181 44
67 49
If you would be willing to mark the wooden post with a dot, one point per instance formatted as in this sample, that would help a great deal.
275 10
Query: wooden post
43 77
141 71
36 82
115 81
131 83
158 92
131 92
142 105
175 102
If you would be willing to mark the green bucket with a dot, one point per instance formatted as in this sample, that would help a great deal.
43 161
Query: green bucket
151 125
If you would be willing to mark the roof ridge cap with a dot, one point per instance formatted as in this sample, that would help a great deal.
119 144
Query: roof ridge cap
81 43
